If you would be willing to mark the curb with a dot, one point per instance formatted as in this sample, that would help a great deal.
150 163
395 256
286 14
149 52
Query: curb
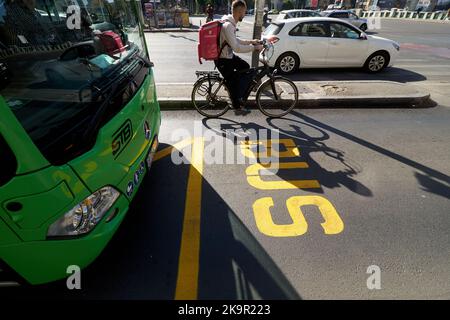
170 30
412 101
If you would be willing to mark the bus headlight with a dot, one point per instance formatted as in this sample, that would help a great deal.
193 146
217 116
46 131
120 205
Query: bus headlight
83 218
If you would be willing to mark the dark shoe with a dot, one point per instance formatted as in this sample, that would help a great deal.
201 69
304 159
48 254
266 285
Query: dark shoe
238 103
242 110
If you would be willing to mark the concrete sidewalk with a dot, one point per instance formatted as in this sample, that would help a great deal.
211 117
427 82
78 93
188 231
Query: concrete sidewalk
316 94
190 29
195 22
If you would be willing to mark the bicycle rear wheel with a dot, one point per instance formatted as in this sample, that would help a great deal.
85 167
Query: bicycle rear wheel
276 97
210 97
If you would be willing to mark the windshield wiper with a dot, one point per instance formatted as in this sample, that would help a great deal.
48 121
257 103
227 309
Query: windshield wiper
124 81
98 116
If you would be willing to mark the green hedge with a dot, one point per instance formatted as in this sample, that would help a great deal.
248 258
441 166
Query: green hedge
287 5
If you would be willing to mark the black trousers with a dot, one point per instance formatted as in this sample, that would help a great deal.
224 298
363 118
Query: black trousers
237 83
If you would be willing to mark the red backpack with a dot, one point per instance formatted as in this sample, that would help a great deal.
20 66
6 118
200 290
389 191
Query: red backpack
209 47
111 42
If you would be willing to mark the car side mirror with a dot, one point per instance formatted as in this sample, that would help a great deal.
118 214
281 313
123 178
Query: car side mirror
363 36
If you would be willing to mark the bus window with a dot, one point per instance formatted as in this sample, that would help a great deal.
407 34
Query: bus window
60 59
8 161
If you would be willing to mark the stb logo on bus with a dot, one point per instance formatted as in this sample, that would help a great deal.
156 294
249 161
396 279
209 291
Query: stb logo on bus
121 138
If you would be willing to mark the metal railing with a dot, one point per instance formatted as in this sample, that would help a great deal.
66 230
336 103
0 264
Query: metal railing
403 14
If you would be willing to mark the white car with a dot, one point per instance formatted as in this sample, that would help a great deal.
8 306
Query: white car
326 43
297 13
348 16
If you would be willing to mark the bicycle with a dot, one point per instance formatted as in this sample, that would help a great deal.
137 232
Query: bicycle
275 97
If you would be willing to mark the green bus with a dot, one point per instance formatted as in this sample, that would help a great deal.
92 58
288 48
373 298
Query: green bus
79 123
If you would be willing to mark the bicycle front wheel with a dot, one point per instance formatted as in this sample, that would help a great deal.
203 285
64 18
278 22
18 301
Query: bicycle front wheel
276 97
210 97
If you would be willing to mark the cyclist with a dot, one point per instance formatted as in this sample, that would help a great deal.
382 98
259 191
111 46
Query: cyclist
228 63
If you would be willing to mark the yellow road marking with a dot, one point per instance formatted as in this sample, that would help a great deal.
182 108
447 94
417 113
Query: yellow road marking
261 209
266 225
291 148
188 263
168 150
254 179
333 223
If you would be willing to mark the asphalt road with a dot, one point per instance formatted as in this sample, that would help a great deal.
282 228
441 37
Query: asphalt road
384 171
373 186
424 57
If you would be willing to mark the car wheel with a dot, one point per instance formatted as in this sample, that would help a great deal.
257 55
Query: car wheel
363 27
288 63
376 62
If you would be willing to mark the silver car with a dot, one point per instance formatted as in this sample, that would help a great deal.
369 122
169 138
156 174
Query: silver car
348 16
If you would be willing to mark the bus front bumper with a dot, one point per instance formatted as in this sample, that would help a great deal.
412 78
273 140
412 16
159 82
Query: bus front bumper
39 262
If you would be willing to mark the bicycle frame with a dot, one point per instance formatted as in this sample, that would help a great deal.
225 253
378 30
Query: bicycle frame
210 75
260 72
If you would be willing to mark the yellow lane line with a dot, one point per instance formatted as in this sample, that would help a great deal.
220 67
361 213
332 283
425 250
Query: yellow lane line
168 150
188 263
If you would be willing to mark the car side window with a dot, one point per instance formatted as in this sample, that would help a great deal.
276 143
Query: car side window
353 16
311 29
339 30
339 15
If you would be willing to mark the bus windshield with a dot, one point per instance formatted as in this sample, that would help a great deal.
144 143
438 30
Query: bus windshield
60 60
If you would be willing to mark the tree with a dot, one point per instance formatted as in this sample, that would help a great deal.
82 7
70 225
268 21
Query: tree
287 5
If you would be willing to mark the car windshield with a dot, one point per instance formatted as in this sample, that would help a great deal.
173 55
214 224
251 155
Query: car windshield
273 29
59 57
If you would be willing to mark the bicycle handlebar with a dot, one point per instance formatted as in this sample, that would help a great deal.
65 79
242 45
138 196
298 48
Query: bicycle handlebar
266 45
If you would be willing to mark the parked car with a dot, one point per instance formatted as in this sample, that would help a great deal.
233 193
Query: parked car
327 43
348 16
298 13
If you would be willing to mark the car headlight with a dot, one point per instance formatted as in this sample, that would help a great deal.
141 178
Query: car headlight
396 46
83 218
